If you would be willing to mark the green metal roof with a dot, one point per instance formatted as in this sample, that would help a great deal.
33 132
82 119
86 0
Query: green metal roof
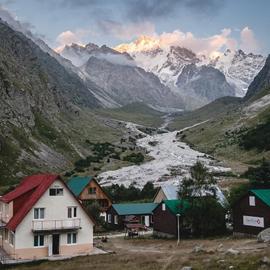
134 208
263 194
177 206
78 183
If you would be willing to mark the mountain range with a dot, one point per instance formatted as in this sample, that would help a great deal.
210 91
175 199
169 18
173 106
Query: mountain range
50 103
189 79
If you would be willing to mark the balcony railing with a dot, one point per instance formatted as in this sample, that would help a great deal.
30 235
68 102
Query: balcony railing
55 225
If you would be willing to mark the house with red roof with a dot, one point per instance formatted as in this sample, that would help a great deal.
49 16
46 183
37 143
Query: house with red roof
41 217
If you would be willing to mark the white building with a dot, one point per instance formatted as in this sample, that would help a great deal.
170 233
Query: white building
42 218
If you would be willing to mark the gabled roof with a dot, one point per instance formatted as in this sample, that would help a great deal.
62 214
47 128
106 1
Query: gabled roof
177 206
170 192
263 194
77 184
134 208
38 184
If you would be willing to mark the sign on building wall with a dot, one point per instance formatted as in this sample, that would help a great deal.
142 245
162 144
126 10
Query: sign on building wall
253 221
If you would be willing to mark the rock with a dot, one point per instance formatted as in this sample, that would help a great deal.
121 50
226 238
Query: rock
264 236
198 248
186 268
220 248
265 260
231 267
232 251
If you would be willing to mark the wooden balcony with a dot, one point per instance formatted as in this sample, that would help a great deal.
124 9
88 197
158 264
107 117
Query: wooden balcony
56 225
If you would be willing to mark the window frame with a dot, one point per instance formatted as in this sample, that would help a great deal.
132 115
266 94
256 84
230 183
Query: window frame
11 238
252 201
109 218
115 219
72 212
72 238
39 210
163 207
59 191
92 190
40 240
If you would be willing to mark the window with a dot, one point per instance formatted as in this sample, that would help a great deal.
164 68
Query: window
6 234
39 240
109 218
92 190
56 192
252 201
72 212
163 207
11 238
72 238
115 219
39 213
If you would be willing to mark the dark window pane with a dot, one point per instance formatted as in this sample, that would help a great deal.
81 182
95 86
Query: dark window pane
74 238
36 240
41 240
75 212
52 192
69 212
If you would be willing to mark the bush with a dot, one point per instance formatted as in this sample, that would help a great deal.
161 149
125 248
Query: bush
207 217
258 138
134 158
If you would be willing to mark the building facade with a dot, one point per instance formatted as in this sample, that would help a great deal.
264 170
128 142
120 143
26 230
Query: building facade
43 218
251 213
120 214
165 218
87 190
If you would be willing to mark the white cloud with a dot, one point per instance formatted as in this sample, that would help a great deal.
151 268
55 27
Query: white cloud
68 37
248 40
210 46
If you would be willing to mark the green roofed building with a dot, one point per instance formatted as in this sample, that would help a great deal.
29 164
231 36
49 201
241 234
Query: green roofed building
251 213
165 217
119 214
87 190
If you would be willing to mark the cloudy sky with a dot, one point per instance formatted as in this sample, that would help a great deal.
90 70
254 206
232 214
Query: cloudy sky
205 26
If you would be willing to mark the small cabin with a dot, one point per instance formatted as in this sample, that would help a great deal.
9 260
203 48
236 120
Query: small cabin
165 217
166 192
251 213
87 189
118 215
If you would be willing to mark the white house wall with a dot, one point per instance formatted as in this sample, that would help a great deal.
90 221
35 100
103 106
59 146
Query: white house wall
55 209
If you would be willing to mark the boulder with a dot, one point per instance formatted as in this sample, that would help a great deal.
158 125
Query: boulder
265 260
264 236
186 268
232 251
198 248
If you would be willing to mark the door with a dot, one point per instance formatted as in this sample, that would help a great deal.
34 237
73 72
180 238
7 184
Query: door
55 244
146 221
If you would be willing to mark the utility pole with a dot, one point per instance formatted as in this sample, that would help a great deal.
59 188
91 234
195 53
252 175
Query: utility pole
178 229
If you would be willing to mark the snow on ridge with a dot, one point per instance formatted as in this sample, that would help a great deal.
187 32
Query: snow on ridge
171 162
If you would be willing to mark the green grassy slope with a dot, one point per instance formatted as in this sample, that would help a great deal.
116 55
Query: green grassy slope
138 113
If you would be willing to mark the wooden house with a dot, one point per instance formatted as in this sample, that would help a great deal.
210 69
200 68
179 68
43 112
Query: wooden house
120 214
251 213
87 189
166 192
165 217
41 218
